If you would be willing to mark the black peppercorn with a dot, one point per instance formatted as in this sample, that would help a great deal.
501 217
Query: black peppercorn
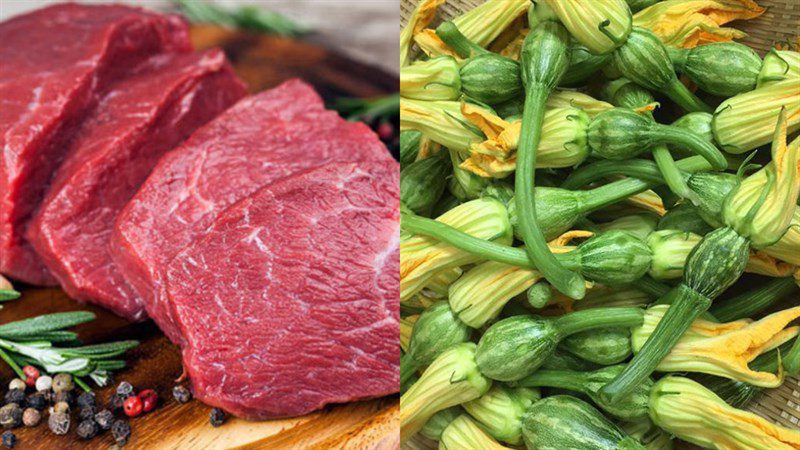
217 417
181 394
87 429
115 402
86 399
121 430
125 389
104 419
67 397
37 401
10 415
58 422
9 439
87 413
15 396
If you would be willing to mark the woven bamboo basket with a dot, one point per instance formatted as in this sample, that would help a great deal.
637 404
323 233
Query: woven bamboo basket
780 24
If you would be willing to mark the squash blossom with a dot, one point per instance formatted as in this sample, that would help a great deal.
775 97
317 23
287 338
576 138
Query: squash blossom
649 201
441 121
788 248
639 225
421 17
689 23
485 22
463 432
563 142
484 290
480 25
480 295
453 378
500 411
563 98
722 349
779 65
690 411
671 248
435 79
406 325
600 296
746 121
599 25
763 205
437 287
421 257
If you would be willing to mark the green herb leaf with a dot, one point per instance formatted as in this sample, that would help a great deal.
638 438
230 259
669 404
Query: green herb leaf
44 323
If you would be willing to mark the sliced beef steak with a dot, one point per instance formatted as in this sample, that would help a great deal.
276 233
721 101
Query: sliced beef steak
55 62
261 139
143 116
301 283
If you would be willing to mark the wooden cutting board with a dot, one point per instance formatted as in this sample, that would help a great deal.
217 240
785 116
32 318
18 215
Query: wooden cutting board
262 61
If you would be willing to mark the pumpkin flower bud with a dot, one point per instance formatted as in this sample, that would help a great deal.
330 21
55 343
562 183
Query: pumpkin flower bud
639 225
463 432
563 142
439 285
689 23
441 121
406 325
453 378
422 258
485 22
500 411
690 411
746 121
484 290
762 206
422 16
561 98
435 79
604 296
599 25
788 248
778 66
722 349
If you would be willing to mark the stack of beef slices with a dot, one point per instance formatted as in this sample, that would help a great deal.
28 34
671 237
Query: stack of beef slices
261 233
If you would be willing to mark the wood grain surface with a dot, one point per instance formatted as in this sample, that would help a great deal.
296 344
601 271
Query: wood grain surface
263 62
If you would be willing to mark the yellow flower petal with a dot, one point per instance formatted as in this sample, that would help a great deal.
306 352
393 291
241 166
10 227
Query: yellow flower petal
421 17
429 42
688 23
723 349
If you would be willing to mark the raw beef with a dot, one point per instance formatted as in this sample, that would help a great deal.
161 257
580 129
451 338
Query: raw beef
55 61
261 139
143 116
301 283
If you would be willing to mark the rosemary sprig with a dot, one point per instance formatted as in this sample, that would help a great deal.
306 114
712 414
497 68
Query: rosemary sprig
370 109
245 17
30 342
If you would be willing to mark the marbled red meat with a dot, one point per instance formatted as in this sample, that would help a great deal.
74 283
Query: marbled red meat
160 103
55 62
300 282
259 140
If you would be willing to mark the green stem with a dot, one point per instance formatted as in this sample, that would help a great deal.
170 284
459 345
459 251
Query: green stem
569 283
595 318
407 369
562 379
677 56
491 251
672 175
82 384
646 172
687 307
449 33
8 294
750 303
16 368
679 94
667 134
